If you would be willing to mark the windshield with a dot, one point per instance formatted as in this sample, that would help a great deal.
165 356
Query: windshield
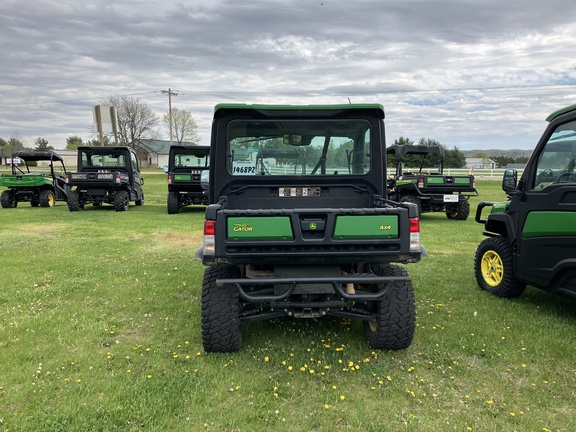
557 162
186 159
299 147
101 160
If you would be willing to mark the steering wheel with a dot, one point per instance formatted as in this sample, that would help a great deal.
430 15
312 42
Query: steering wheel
570 177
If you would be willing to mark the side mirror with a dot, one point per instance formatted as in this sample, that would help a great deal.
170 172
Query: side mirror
205 179
165 168
141 180
509 181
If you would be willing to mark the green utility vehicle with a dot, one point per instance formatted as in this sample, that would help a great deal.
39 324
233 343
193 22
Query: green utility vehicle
299 224
185 167
428 187
532 236
106 175
41 187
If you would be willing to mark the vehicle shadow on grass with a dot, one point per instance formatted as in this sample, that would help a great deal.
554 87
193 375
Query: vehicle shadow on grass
549 303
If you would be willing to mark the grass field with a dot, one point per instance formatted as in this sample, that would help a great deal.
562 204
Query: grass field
100 331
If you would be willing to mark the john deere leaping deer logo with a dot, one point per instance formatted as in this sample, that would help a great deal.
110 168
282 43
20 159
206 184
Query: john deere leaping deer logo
243 227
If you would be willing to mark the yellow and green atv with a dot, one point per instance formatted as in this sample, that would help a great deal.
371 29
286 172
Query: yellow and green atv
41 187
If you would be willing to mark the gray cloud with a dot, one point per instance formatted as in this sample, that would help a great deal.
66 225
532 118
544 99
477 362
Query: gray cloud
475 74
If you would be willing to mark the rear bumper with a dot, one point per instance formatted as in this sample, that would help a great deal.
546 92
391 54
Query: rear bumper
338 284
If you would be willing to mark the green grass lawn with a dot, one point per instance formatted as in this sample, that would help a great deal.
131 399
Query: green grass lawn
100 331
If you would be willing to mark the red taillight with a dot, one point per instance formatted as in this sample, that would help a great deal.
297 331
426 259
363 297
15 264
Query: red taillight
414 235
209 228
118 178
420 182
414 225
169 178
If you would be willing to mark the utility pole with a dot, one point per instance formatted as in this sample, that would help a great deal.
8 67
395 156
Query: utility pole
170 93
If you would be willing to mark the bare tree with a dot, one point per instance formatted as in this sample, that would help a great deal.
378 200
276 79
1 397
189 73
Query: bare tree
184 127
136 120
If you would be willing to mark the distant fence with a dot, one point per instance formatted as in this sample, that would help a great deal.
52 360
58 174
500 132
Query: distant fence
496 173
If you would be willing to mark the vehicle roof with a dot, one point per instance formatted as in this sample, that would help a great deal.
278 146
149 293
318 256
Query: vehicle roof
401 150
105 149
191 148
560 112
37 155
298 107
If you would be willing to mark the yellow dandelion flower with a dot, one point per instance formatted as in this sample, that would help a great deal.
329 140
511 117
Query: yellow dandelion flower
490 402
266 359
342 397
334 387
149 376
290 368
326 406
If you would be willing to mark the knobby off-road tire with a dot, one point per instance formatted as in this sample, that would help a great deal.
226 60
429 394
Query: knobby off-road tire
220 311
494 270
173 205
462 212
413 199
140 202
74 201
46 198
8 200
395 313
121 202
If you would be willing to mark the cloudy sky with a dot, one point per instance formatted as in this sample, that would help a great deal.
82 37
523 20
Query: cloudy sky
476 74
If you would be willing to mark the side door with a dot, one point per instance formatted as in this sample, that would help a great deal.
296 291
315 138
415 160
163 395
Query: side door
136 175
546 251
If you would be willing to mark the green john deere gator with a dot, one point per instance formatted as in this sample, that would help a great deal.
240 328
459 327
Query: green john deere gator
531 237
299 224
41 187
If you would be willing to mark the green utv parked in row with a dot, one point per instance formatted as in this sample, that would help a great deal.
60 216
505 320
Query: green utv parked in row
106 175
532 236
41 187
428 186
185 167
299 224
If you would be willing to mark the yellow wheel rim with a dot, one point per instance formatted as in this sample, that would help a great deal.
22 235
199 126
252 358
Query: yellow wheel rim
492 268
50 200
